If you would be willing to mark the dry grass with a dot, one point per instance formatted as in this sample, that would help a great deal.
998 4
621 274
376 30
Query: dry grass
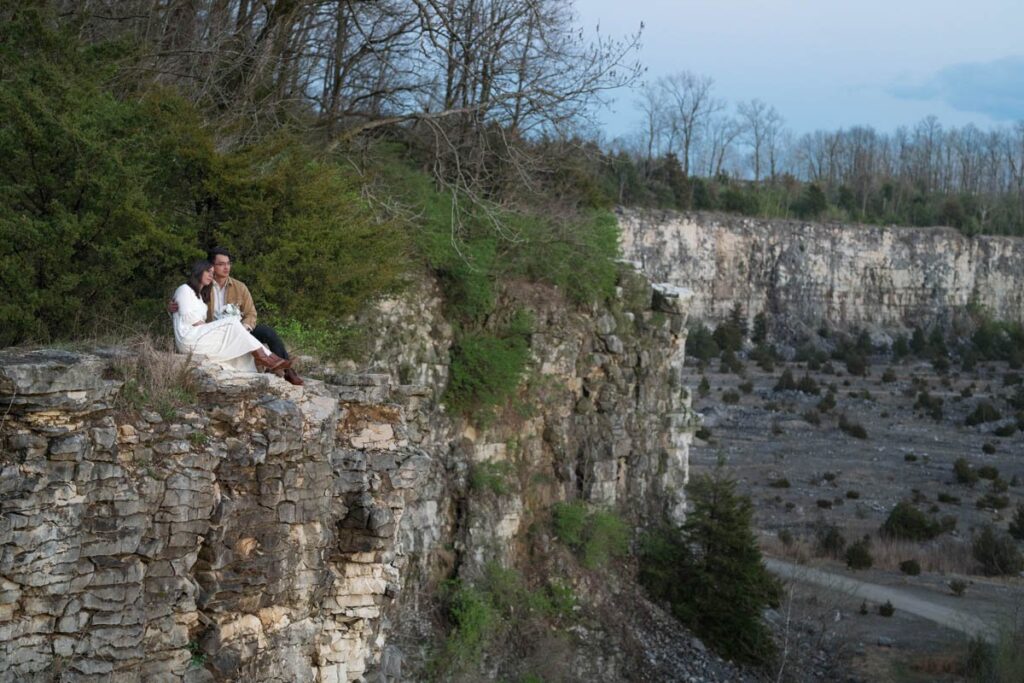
155 377
945 555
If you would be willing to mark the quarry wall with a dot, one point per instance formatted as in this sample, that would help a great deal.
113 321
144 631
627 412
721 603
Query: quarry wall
806 274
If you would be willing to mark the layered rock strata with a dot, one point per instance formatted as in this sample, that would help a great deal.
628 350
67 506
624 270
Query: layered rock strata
843 275
269 532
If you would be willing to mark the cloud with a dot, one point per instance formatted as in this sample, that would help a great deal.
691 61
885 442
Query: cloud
994 88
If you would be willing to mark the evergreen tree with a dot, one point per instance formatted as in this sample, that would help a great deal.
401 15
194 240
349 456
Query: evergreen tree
710 570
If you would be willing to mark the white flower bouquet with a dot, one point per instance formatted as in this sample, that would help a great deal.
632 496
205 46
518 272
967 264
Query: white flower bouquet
229 311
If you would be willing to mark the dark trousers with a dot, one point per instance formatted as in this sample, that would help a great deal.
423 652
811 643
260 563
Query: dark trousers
266 335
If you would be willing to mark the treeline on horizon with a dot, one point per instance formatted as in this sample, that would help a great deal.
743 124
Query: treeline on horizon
692 152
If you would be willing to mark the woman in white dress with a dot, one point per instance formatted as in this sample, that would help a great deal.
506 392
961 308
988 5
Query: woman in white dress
224 341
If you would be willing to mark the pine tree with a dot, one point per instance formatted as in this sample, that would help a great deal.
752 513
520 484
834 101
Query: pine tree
710 571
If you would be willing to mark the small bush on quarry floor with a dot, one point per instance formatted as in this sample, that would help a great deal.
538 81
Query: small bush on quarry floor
710 571
908 523
997 553
595 535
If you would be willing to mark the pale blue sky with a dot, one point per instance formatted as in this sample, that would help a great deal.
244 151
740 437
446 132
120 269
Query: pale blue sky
829 64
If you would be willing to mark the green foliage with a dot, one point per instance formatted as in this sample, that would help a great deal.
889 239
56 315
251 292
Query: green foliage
997 553
701 344
497 606
858 555
486 368
80 217
710 571
886 609
596 535
958 587
963 472
983 412
1016 527
729 335
786 382
910 567
854 429
107 200
325 340
906 522
491 476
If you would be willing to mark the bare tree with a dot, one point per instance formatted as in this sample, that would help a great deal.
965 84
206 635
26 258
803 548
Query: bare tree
761 127
692 107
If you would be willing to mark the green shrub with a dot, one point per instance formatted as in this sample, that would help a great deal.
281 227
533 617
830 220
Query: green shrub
827 403
983 412
992 501
997 553
988 448
491 476
700 343
1016 527
958 587
786 382
886 609
812 417
988 472
947 498
824 504
858 555
906 522
780 483
597 536
854 429
830 541
704 388
910 457
807 385
710 571
853 495
486 368
856 365
963 472
910 567
746 387
730 397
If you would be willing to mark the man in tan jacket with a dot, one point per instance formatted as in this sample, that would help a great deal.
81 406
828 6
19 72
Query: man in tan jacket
227 290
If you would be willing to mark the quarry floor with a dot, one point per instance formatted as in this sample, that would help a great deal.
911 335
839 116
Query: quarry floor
853 483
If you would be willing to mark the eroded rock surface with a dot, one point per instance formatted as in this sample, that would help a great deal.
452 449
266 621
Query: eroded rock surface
812 273
278 533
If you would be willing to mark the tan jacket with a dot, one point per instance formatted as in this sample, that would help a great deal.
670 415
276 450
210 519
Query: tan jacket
237 293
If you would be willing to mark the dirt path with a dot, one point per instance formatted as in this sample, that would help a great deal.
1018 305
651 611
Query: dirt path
900 599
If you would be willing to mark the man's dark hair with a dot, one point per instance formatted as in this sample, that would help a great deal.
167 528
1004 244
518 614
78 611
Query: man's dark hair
212 254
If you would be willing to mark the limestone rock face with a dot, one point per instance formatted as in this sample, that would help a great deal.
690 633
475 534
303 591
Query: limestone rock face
812 273
277 533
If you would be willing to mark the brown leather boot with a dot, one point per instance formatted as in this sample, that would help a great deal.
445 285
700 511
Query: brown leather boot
293 377
270 361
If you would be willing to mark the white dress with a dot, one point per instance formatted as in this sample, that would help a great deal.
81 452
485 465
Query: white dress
224 341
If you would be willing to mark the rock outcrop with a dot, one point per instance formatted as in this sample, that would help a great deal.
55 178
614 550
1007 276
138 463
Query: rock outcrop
266 532
812 273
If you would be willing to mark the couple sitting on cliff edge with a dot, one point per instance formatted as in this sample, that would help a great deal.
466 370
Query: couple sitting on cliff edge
214 315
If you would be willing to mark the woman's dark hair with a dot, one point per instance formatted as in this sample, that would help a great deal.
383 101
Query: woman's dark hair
195 279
